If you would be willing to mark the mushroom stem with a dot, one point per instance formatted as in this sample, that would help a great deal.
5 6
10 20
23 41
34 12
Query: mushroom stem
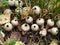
42 27
49 30
47 26
23 32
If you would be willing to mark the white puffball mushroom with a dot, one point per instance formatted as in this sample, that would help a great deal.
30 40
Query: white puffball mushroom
43 32
40 21
17 10
18 2
36 9
7 11
50 22
8 26
25 27
35 27
11 2
29 19
14 22
58 23
54 30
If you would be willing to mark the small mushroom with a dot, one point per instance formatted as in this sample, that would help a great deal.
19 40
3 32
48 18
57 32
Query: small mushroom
35 27
8 27
29 19
36 9
40 21
53 30
11 2
17 2
43 32
58 23
15 22
25 27
50 22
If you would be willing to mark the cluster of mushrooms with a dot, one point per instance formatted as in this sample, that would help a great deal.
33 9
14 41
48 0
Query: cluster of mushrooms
28 21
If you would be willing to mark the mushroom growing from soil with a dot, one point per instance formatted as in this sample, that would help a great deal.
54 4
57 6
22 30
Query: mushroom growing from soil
50 22
53 30
11 2
8 27
43 32
34 27
25 27
15 22
29 19
58 23
36 9
18 2
40 21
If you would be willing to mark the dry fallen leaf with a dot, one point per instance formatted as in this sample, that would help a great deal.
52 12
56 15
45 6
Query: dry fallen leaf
15 36
4 18
25 12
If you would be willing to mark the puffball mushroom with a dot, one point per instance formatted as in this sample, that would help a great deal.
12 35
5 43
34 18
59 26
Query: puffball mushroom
18 2
25 27
11 2
50 22
40 21
36 9
14 22
53 30
43 32
58 23
7 11
29 19
8 26
35 27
